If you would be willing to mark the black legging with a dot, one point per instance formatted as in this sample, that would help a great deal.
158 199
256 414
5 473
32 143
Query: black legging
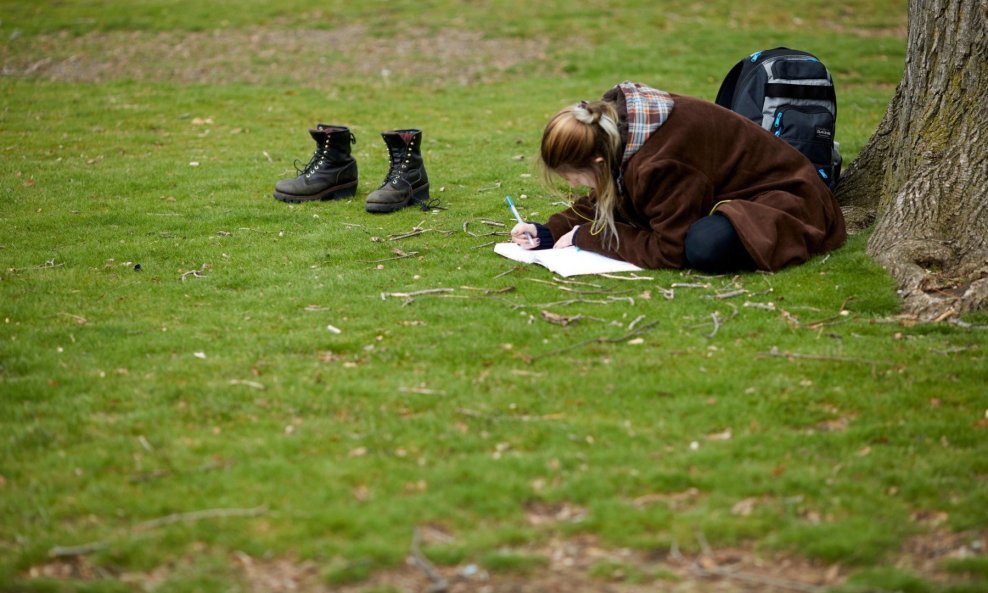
712 245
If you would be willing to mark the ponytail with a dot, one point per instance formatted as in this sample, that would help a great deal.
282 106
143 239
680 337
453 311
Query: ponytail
572 141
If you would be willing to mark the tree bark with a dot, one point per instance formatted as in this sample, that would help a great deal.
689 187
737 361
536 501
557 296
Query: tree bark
925 170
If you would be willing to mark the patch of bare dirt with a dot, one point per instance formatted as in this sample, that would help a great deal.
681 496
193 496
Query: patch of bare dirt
307 58
573 565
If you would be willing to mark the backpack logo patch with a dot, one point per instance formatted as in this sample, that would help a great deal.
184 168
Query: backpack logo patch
824 133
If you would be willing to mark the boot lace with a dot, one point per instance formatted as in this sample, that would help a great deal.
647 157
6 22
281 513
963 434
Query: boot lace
314 163
318 157
394 170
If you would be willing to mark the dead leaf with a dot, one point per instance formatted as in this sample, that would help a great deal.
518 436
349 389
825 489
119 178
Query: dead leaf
413 487
675 500
543 514
744 507
558 319
929 517
836 425
720 436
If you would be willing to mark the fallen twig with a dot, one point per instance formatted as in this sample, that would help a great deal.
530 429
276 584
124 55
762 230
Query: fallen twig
510 271
610 300
84 549
195 516
195 273
73 551
633 276
705 566
765 306
48 264
490 291
492 223
439 583
689 285
754 579
564 320
579 291
399 254
718 321
421 391
77 318
413 294
667 293
561 281
497 185
500 418
730 294
776 353
414 232
601 340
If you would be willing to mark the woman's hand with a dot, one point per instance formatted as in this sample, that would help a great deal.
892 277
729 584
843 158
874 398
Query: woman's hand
526 235
567 239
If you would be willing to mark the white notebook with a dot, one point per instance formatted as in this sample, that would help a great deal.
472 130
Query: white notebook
570 261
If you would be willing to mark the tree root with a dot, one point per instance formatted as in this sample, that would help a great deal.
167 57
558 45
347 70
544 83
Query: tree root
930 294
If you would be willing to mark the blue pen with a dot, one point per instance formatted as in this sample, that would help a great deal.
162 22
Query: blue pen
518 218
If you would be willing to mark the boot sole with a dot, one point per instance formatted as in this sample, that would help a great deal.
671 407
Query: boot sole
420 195
347 190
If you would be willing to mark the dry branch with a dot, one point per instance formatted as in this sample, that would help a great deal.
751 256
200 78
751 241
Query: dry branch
776 353
73 551
490 291
493 223
510 271
729 294
601 340
633 276
195 273
399 254
413 294
439 583
195 516
609 301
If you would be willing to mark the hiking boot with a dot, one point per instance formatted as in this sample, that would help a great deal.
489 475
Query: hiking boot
406 182
331 172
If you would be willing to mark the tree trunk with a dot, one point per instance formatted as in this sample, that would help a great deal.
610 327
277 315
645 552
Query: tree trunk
925 170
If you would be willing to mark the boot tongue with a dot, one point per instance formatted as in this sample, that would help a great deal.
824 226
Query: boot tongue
318 134
407 136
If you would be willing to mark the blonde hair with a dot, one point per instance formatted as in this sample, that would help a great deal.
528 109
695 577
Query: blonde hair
572 141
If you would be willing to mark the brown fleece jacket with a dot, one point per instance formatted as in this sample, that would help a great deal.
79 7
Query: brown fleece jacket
707 158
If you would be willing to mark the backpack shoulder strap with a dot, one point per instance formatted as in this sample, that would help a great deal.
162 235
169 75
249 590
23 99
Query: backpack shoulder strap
725 96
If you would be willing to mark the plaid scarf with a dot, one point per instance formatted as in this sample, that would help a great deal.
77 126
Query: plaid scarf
648 109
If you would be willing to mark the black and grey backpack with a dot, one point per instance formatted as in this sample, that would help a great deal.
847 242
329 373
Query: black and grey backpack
789 93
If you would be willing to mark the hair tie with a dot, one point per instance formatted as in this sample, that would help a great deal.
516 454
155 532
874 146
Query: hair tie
582 114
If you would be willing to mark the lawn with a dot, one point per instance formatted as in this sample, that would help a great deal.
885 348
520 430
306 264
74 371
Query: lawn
205 389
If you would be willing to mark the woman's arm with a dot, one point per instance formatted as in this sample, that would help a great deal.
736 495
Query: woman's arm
668 196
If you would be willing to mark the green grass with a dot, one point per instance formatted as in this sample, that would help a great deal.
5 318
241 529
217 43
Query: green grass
434 412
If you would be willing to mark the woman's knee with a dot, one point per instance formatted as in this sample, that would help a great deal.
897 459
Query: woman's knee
712 245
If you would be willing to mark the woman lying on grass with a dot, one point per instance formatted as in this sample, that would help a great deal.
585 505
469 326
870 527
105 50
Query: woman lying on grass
679 182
